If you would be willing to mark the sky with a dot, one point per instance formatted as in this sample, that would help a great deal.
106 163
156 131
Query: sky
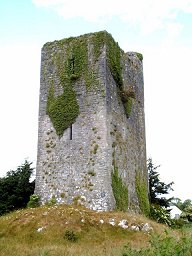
160 30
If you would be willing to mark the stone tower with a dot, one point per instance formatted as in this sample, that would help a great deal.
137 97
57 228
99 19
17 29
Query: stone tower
91 140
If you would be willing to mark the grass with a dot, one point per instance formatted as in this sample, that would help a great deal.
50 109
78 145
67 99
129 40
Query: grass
70 230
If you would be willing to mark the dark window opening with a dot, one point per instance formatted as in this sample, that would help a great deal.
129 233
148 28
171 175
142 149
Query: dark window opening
71 135
72 65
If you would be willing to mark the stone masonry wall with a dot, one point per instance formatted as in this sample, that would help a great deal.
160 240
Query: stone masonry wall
127 135
103 149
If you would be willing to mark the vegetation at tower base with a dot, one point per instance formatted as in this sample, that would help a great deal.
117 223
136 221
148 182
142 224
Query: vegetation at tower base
142 192
63 109
120 191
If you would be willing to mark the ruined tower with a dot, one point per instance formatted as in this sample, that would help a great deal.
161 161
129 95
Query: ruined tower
91 140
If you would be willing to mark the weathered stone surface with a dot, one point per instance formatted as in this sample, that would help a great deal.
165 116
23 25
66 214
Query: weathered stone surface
77 167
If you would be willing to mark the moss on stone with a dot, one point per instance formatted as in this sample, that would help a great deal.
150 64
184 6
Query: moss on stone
99 40
114 60
113 54
95 149
139 56
128 106
120 191
142 193
127 97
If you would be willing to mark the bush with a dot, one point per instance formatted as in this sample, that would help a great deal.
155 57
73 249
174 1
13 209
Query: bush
187 213
160 214
16 188
70 236
34 201
178 223
163 245
51 202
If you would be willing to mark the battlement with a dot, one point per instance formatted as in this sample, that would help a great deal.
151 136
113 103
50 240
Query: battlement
91 141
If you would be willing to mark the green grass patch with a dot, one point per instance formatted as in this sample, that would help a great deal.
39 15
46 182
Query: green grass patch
77 231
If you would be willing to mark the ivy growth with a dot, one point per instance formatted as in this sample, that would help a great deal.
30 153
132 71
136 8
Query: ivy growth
120 191
63 109
128 106
139 56
142 193
114 53
128 97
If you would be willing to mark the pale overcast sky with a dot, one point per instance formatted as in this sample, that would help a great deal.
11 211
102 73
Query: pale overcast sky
160 30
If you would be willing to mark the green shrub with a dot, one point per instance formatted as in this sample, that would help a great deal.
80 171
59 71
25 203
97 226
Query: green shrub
34 201
70 236
187 213
52 201
163 245
45 253
178 223
160 214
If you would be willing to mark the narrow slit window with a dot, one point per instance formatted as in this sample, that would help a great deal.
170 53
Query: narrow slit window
72 65
71 133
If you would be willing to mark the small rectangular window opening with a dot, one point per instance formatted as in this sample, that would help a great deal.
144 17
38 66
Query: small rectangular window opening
72 65
71 135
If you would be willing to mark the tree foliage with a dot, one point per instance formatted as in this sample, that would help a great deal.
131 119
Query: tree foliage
185 207
157 188
16 188
182 205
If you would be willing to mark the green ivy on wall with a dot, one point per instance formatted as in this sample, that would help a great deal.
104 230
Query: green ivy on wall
113 52
128 97
142 193
120 191
63 109
72 63
139 56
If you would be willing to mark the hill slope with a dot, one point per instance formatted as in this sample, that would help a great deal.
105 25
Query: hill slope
72 230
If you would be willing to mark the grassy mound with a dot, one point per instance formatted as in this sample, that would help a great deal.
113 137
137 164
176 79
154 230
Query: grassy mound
72 230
